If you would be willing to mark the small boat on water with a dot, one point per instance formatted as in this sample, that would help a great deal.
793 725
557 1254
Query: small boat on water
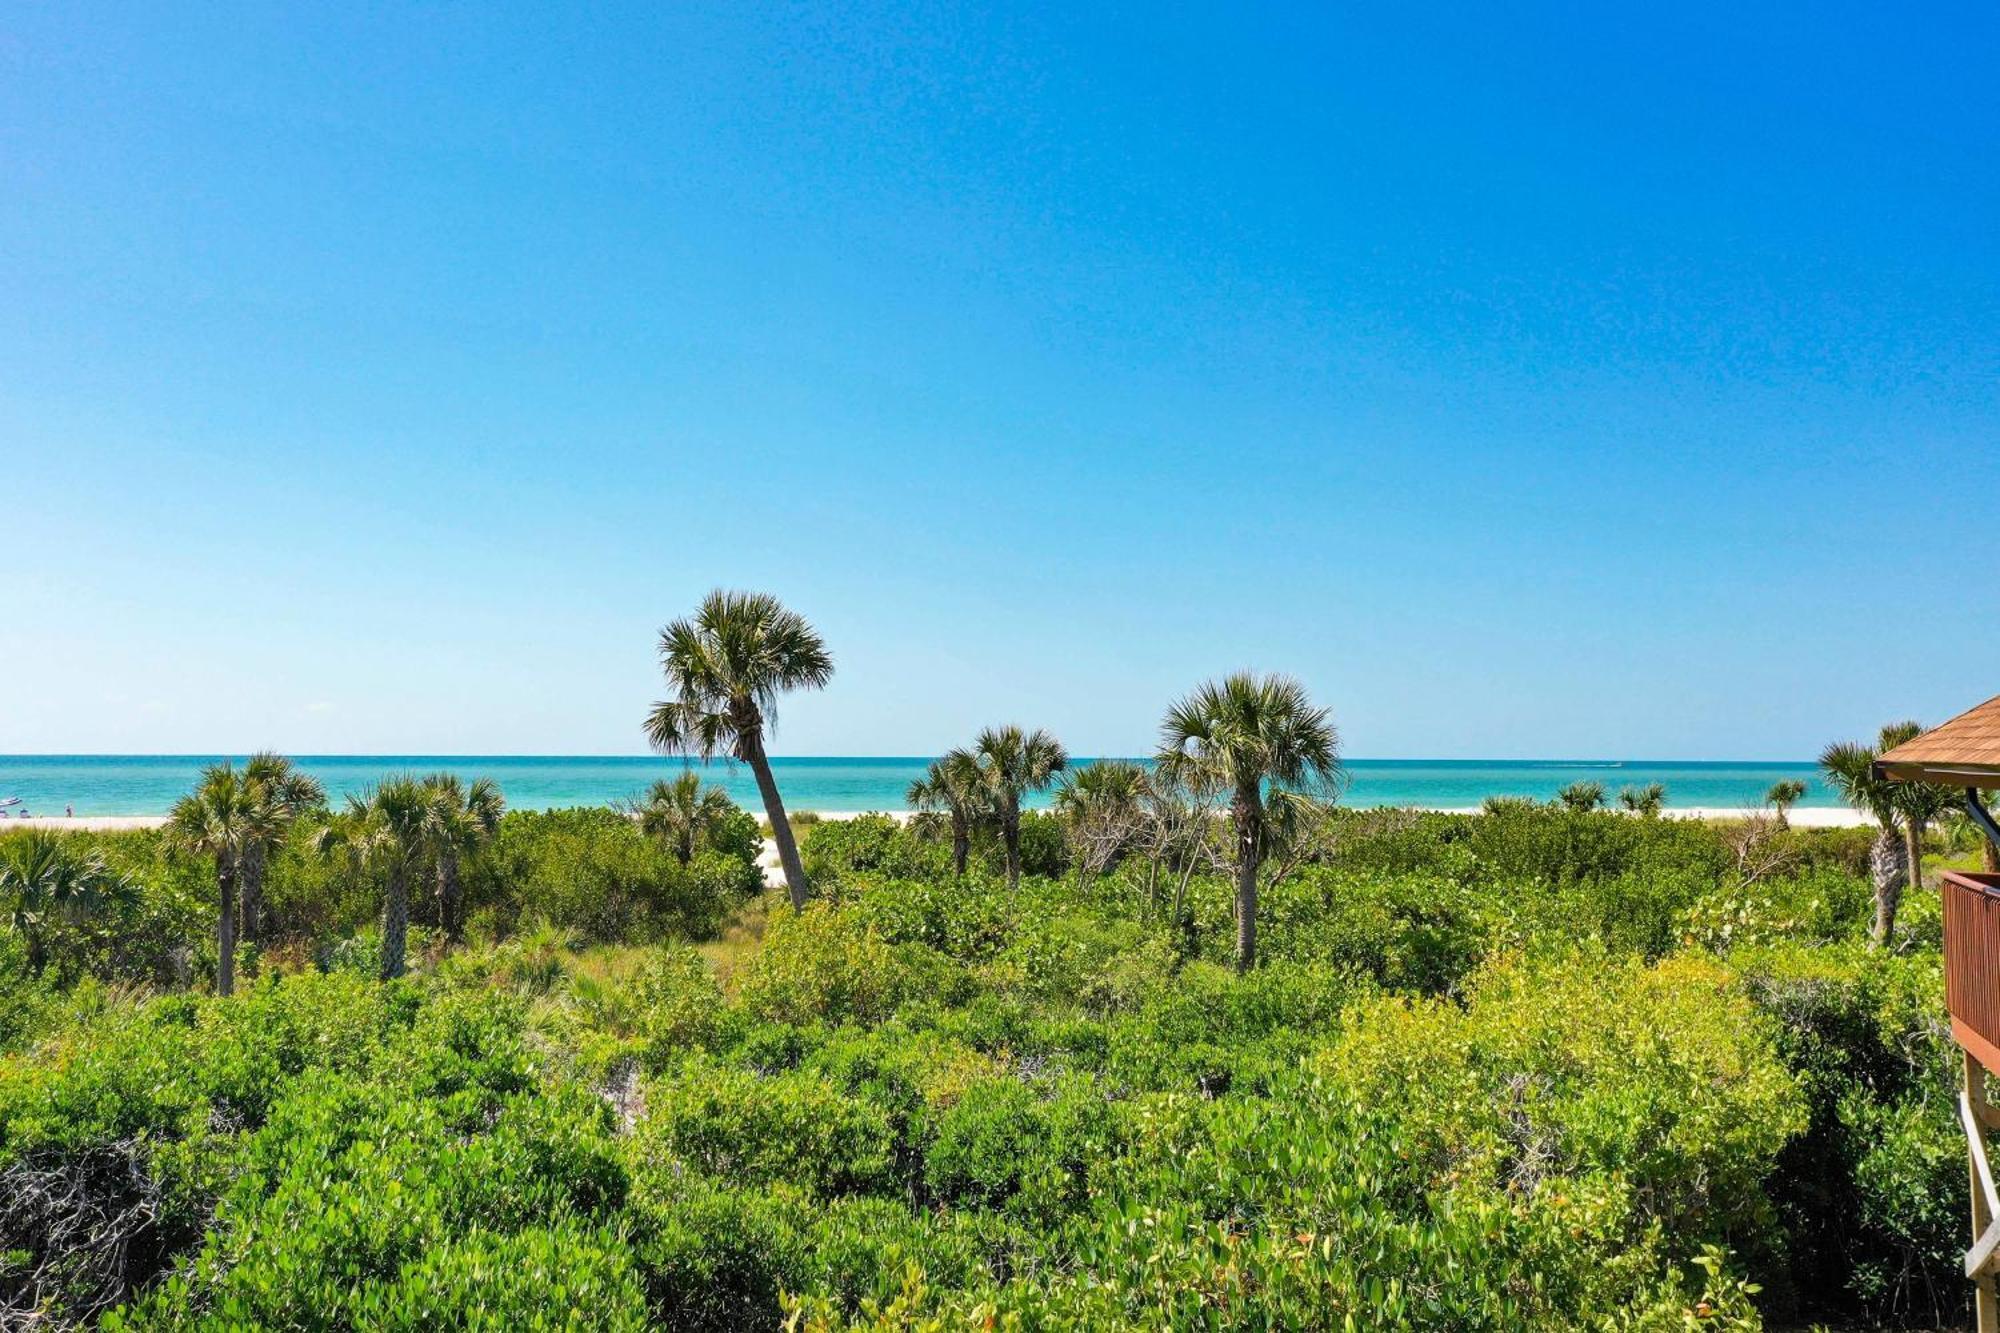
10 800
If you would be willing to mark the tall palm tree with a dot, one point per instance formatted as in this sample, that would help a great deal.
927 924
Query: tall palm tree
1850 768
726 666
1645 800
1582 797
1253 740
1103 804
953 787
48 877
462 820
1782 797
682 813
287 793
394 826
1012 763
223 817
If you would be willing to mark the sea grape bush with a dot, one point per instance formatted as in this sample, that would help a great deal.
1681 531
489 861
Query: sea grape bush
1529 1069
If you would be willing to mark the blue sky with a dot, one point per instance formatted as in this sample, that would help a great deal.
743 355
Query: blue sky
1530 380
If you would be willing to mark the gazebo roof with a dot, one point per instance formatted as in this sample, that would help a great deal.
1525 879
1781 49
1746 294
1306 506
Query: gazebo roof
1964 752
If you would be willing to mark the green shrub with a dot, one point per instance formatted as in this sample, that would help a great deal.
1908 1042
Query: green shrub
680 1005
971 919
364 1204
1411 932
591 871
748 1128
825 964
1306 1212
1002 1142
1663 1081
715 1257
1868 1196
151 933
835 850
1820 905
26 1001
1044 845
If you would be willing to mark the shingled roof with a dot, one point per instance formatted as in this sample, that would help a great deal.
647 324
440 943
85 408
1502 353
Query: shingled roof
1964 752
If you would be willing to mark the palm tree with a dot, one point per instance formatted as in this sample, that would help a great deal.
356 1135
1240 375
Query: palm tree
726 667
394 826
1645 800
1103 804
1850 768
1582 797
954 787
223 817
287 793
48 877
1012 763
682 813
462 820
1782 797
1254 739
1918 804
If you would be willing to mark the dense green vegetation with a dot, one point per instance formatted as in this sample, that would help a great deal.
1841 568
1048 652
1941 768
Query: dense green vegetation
1197 1049
1536 1068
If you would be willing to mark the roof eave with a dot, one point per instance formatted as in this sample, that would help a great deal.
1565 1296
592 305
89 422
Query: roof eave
1938 771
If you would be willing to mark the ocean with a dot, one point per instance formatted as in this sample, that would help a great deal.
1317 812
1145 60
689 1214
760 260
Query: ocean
149 784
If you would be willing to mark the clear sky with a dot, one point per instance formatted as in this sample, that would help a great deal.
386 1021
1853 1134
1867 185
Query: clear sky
1529 379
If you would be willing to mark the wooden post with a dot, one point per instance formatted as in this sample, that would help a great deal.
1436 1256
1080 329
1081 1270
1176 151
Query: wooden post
1985 1306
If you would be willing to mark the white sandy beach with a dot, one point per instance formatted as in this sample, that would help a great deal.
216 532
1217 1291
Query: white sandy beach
1813 817
98 823
1806 817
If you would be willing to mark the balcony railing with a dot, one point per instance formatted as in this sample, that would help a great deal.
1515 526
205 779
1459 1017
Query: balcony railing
1972 963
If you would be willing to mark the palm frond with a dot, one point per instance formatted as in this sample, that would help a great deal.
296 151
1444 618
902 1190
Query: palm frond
726 668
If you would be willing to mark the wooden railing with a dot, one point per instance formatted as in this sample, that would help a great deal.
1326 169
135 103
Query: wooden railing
1972 963
1972 994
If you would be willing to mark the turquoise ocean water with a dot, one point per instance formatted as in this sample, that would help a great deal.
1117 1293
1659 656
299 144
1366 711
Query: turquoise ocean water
149 784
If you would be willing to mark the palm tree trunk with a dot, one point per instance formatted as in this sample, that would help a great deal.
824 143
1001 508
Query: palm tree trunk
752 749
1249 849
1887 871
395 922
225 928
1183 918
961 843
1913 852
253 893
1010 830
451 898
